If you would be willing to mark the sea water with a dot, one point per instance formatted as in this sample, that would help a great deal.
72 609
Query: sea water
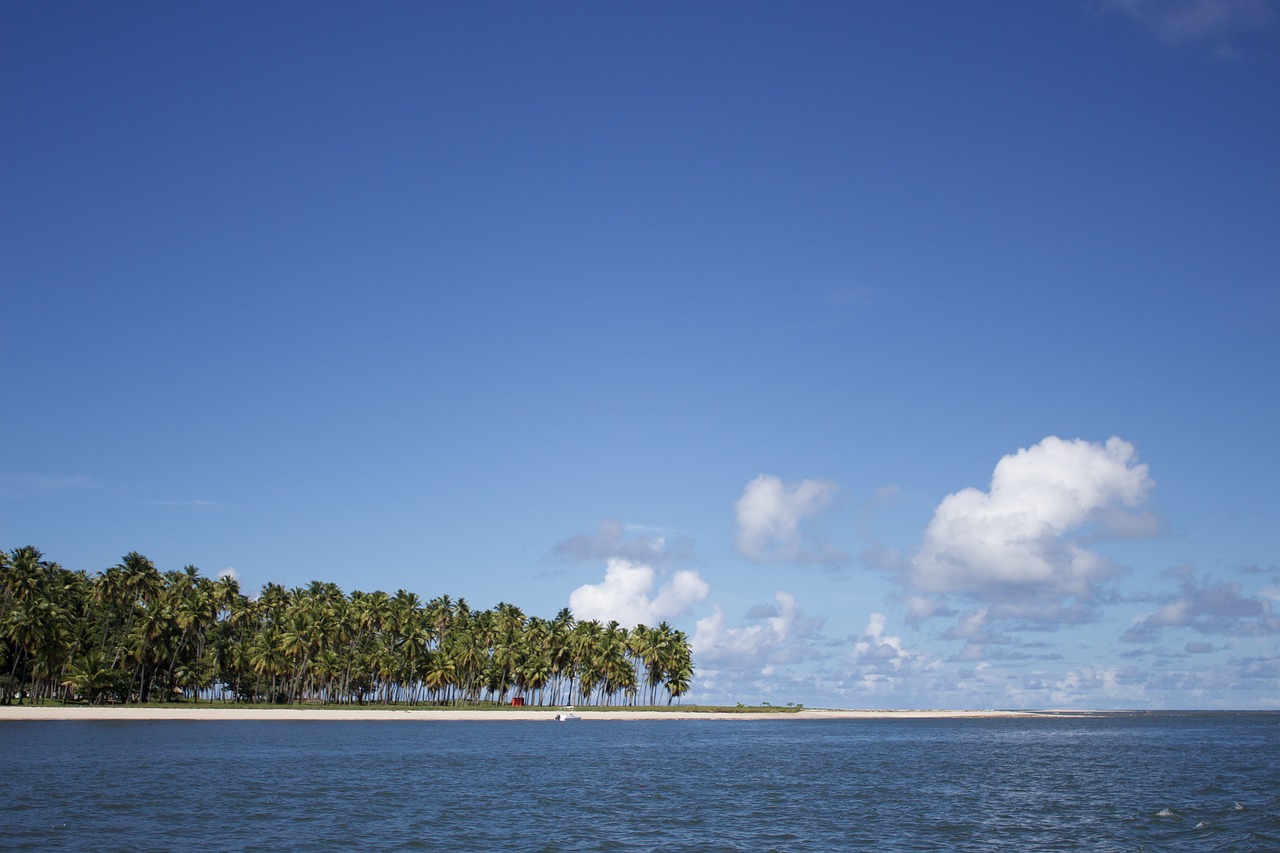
1159 782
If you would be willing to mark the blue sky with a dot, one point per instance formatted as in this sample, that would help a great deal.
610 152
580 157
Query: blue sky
903 354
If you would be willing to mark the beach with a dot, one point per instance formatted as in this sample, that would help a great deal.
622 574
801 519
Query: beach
189 712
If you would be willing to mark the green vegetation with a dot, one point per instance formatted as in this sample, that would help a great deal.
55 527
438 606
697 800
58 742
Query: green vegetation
764 708
134 634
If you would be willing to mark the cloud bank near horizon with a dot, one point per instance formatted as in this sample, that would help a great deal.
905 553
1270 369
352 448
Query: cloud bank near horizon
775 633
1025 553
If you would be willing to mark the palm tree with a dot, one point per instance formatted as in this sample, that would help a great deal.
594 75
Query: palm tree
35 623
131 632
677 668
92 677
439 675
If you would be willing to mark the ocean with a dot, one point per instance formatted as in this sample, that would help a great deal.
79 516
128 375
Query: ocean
1141 782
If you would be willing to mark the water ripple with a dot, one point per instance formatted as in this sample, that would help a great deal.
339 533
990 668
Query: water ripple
789 786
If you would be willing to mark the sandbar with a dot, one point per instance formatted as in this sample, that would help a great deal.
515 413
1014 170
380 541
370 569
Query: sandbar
191 712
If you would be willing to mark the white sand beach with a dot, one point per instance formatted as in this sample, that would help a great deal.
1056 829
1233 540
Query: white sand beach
191 712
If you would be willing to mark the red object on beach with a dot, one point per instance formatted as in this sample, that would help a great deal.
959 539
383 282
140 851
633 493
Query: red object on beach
517 702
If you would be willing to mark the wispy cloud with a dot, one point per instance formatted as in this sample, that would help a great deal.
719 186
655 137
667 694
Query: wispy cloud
1217 24
612 538
46 482
1206 608
773 521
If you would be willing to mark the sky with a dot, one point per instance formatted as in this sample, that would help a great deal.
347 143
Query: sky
904 355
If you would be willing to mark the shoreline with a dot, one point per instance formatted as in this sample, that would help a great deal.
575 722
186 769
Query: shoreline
27 713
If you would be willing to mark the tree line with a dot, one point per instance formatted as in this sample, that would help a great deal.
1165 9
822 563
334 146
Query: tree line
135 634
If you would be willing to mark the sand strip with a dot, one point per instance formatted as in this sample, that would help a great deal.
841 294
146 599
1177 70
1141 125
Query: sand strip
190 712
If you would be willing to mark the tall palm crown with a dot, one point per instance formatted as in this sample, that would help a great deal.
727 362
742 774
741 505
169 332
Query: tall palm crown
133 634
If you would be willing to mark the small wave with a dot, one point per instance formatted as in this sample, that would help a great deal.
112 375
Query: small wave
1165 813
1239 807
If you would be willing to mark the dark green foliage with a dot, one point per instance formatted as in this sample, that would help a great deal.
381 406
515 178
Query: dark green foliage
135 634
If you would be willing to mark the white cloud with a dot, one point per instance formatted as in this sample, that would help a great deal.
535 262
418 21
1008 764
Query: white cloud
880 651
229 572
775 636
625 594
771 516
1016 546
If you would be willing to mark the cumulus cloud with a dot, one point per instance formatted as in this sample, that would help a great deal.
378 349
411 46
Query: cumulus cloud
1206 608
1016 547
772 516
229 572
879 649
627 541
626 594
776 634
1217 23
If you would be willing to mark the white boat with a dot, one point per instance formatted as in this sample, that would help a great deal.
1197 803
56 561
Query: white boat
567 715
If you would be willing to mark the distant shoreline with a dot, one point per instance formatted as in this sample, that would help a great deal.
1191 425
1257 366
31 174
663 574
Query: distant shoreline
190 713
